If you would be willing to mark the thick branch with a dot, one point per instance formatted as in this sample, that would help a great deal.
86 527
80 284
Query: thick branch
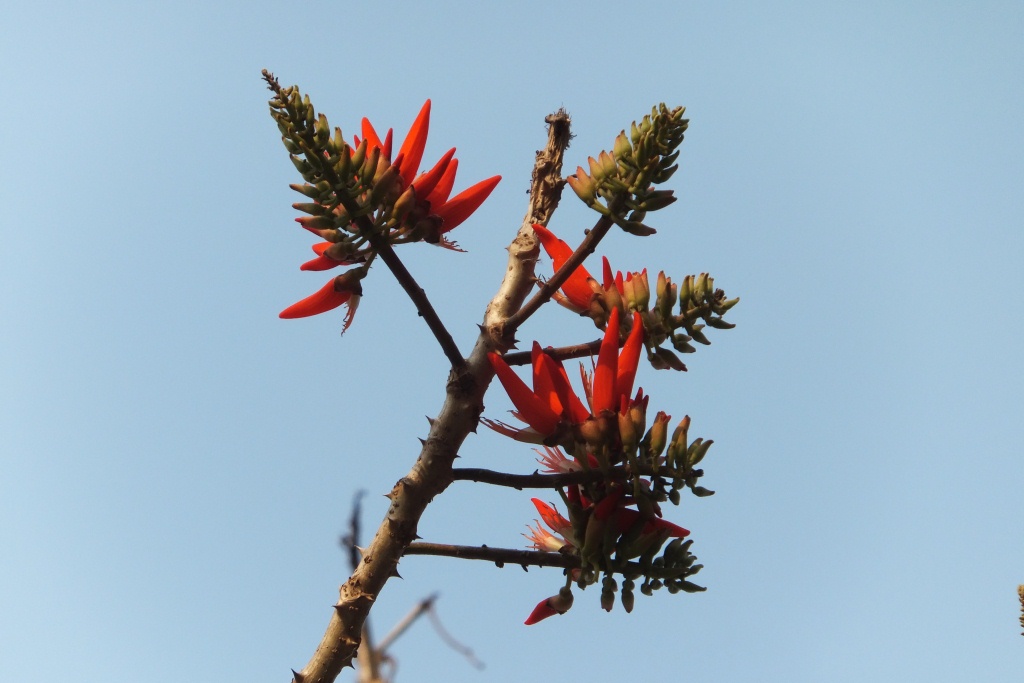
499 556
459 416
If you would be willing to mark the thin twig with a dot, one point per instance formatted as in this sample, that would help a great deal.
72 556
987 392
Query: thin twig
552 481
450 641
558 353
415 613
532 558
500 556
423 305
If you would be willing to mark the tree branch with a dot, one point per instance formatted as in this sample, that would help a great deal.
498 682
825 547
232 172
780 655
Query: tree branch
559 353
530 481
431 473
423 305
553 481
499 556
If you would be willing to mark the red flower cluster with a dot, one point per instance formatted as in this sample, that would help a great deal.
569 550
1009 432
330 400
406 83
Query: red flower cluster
552 406
422 197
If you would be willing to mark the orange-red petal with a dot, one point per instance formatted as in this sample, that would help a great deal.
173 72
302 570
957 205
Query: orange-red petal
542 611
460 207
325 299
577 287
606 372
426 182
414 144
439 195
534 411
544 384
629 357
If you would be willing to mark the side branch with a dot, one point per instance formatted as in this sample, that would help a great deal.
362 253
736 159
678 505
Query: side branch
553 481
589 244
559 353
530 481
499 556
423 305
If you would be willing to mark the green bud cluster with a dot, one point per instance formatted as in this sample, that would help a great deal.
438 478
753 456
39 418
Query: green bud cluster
657 468
619 185
681 314
355 192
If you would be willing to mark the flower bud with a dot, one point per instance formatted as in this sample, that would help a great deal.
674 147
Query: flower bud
658 436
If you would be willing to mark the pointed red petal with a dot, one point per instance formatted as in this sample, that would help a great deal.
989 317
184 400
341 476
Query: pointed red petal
607 367
385 148
461 206
542 611
609 279
543 383
326 299
426 182
414 144
533 410
629 358
320 263
444 186
577 287
577 411
370 135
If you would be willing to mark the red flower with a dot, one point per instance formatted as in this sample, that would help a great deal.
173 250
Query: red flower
577 290
344 289
431 189
426 203
552 403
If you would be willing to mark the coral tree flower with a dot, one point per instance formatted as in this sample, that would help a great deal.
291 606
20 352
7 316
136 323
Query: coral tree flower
431 189
552 404
424 199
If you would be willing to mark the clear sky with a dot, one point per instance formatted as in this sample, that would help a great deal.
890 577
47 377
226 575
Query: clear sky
176 463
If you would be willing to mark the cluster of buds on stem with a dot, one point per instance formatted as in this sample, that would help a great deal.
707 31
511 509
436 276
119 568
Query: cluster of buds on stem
360 198
619 185
678 314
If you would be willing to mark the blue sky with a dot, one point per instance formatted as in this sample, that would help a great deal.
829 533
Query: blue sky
176 463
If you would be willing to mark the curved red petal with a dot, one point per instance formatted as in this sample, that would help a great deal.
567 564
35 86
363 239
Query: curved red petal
370 135
544 383
577 287
606 372
542 611
461 206
629 357
535 412
578 412
444 186
414 144
325 299
426 182
609 279
320 263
